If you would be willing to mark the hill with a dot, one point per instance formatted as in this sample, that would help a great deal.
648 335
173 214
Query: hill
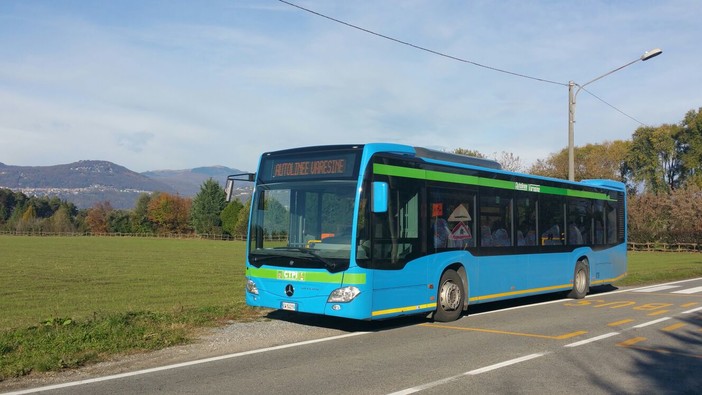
87 182
187 182
84 183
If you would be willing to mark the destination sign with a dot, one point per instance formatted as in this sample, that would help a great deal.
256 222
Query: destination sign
302 168
318 166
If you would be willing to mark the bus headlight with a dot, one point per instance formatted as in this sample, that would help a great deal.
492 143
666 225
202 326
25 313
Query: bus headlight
343 295
251 287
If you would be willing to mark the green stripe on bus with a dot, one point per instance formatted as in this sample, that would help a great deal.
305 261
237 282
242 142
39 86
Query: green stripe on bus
431 175
306 276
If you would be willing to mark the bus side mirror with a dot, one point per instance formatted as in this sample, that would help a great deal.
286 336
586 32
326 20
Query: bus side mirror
229 186
379 197
229 189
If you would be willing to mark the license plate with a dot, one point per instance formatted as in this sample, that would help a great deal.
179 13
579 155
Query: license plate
289 306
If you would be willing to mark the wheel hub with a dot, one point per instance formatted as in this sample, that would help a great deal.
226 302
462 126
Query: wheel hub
450 296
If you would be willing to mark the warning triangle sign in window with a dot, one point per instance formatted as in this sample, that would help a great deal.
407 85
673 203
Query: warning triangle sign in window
459 214
460 232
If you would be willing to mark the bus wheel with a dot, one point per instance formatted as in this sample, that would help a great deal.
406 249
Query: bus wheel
581 280
451 295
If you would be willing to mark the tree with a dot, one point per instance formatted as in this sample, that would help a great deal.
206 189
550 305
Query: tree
170 213
119 221
230 216
7 204
28 221
242 223
277 219
207 207
653 158
593 161
556 165
96 220
140 215
690 146
61 221
468 152
674 217
509 161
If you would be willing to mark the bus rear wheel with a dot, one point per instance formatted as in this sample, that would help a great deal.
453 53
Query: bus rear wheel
581 280
450 297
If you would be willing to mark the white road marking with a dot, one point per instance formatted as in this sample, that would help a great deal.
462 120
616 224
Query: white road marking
692 311
689 291
592 339
470 373
651 323
658 288
505 363
181 365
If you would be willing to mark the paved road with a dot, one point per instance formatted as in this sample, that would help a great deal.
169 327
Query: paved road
644 340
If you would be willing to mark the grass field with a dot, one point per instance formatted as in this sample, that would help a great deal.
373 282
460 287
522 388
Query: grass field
47 277
655 267
67 301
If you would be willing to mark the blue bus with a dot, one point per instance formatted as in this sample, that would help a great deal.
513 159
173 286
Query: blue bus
382 230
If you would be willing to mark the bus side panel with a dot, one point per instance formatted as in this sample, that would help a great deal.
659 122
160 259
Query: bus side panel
610 265
552 272
501 276
401 291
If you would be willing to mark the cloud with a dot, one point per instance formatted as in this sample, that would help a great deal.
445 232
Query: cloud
151 87
134 142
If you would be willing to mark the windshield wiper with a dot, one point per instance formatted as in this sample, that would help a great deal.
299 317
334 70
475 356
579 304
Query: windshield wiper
329 264
260 258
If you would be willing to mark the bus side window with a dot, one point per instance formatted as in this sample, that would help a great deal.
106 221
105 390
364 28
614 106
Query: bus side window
551 221
525 217
611 224
495 219
452 224
579 214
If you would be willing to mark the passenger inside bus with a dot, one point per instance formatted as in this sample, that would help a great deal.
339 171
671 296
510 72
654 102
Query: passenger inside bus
552 236
441 232
500 237
574 234
526 235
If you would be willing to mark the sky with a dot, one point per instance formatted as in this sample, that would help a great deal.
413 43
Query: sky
154 85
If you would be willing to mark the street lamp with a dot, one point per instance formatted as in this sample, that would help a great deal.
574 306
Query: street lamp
571 106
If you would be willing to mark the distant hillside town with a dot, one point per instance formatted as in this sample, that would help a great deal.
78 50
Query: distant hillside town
88 182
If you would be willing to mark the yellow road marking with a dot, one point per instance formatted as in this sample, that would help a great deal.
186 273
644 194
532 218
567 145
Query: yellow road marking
659 312
673 327
459 328
686 305
662 351
622 322
631 342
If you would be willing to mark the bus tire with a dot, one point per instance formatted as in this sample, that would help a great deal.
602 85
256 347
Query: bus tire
581 280
450 297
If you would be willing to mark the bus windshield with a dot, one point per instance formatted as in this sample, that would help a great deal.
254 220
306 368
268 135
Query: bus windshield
302 224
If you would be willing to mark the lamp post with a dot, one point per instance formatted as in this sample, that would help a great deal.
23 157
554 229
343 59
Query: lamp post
571 106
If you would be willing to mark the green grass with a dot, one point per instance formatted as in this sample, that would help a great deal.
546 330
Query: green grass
45 277
68 301
656 267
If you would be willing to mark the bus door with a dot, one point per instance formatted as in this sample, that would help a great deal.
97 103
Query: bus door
399 279
503 269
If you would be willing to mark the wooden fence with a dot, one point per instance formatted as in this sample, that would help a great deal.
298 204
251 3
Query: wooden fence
665 247
149 235
649 246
